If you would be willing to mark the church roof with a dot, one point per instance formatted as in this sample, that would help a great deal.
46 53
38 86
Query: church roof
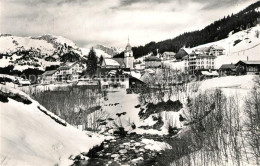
111 62
120 61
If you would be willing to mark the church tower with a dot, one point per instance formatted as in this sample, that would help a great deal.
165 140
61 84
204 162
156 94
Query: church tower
128 56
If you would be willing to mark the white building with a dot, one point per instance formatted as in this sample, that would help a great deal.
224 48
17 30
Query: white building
128 56
67 72
199 61
216 50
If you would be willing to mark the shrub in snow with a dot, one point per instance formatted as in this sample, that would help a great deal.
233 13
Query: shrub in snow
3 98
16 97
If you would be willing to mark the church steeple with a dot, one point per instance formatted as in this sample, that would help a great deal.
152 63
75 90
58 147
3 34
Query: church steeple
128 55
128 47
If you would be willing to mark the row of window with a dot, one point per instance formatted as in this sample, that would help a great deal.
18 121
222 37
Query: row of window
113 79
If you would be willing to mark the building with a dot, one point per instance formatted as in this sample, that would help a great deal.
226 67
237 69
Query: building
198 60
215 50
70 72
152 62
248 67
126 62
183 52
168 56
113 63
227 69
128 56
67 72
113 77
49 77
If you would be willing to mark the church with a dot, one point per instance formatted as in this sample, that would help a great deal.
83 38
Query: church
116 72
126 62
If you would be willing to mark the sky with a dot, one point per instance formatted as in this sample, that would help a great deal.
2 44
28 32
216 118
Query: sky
111 22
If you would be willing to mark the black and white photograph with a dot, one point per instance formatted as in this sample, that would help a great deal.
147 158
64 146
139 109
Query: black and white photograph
129 82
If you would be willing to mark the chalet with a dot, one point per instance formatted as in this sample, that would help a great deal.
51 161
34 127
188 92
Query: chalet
152 62
168 56
227 69
248 67
49 77
69 72
183 52
135 83
215 50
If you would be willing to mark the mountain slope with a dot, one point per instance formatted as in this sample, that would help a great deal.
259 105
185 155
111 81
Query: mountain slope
218 30
31 135
43 51
35 52
243 45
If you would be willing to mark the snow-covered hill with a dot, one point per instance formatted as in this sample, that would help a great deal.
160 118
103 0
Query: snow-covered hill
31 135
34 52
101 50
40 52
242 45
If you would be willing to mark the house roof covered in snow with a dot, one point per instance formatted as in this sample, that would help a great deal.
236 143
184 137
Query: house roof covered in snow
67 65
227 66
168 53
209 73
187 50
249 62
120 61
217 47
111 62
48 73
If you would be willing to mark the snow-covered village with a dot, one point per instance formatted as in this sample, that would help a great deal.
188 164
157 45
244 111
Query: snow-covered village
138 83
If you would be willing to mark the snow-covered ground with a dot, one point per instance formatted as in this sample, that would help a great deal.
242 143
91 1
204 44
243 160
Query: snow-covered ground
230 85
30 137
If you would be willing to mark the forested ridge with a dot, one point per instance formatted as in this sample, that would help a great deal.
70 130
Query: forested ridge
218 30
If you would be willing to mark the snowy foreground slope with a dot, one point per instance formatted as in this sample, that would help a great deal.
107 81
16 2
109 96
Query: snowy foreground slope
31 137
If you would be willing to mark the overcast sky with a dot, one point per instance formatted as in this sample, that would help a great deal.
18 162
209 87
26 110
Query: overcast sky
110 22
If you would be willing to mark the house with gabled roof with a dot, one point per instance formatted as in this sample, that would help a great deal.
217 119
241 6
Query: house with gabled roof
70 71
113 77
67 72
248 67
152 62
113 63
215 50
227 69
49 77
